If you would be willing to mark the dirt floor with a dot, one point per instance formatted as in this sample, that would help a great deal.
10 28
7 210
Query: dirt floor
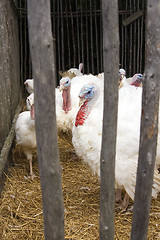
21 205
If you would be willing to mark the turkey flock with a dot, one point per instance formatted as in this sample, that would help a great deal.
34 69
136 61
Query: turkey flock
79 110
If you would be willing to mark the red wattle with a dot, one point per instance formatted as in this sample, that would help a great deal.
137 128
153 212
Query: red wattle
32 112
66 101
136 83
81 115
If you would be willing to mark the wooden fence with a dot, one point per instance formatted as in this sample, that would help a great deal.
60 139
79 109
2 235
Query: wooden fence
9 69
42 51
9 79
77 29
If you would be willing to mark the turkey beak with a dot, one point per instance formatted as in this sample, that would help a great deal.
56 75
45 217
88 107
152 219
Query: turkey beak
61 87
25 83
122 76
81 101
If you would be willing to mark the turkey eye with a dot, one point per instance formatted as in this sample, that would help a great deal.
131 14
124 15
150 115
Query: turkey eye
67 82
89 92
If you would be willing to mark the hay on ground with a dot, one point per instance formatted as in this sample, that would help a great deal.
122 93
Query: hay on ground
21 204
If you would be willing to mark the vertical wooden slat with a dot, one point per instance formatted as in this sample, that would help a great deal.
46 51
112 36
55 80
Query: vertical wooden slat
62 35
149 126
101 38
30 66
73 37
68 37
44 73
125 40
91 38
87 40
78 38
130 45
96 38
24 42
82 40
122 43
142 37
107 164
134 59
58 38
21 44
138 39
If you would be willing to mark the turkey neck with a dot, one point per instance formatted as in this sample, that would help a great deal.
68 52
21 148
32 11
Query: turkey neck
136 81
30 122
67 99
85 110
32 112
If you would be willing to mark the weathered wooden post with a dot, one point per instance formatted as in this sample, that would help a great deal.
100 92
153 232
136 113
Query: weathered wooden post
149 121
111 67
44 74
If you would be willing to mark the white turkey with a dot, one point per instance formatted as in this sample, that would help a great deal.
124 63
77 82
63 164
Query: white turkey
63 104
31 82
65 108
136 80
101 75
67 102
25 132
29 85
67 105
75 71
87 136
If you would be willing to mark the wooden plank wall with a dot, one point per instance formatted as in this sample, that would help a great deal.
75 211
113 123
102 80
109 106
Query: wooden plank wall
9 68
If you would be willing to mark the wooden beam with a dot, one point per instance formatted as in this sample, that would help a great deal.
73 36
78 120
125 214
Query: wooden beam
107 166
132 18
44 74
5 152
149 126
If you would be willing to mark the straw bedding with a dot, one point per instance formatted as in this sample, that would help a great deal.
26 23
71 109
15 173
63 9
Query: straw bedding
21 205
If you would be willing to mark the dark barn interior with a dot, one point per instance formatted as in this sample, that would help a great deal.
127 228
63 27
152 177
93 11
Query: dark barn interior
77 32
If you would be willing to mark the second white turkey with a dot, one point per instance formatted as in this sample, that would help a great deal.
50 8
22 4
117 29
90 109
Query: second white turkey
87 136
25 132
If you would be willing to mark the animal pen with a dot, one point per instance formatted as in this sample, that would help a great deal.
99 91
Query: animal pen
82 32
